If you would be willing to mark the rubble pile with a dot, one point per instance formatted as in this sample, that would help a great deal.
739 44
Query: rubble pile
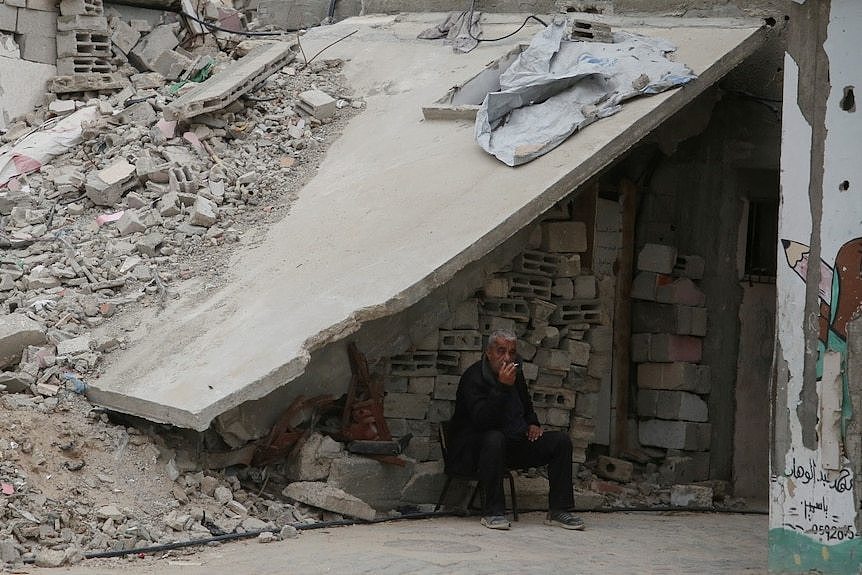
110 199
73 482
131 211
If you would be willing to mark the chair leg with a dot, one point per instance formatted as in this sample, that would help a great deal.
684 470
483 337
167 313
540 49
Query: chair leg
513 495
443 493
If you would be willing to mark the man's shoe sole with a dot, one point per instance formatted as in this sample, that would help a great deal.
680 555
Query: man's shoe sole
564 525
502 527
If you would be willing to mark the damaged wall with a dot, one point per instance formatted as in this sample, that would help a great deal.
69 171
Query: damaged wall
813 514
694 201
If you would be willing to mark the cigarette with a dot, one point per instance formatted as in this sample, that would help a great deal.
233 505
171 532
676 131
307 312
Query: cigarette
515 364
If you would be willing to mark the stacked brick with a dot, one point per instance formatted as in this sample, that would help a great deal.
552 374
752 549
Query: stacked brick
552 306
83 42
33 23
669 321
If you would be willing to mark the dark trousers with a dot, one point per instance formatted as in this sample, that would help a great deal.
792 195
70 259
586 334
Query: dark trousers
497 453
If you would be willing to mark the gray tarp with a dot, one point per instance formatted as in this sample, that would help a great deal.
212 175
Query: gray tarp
557 86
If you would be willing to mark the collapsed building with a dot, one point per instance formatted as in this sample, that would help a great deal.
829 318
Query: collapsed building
637 262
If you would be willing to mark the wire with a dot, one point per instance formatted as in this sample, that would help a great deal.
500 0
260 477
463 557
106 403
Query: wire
521 27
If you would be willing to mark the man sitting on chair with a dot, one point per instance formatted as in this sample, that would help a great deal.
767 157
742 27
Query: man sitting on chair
495 427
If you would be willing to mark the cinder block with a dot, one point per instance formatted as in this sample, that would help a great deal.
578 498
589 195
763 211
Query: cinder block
397 427
556 359
586 404
124 37
406 405
614 469
564 237
585 287
664 347
466 315
82 65
557 417
579 351
171 64
530 371
690 267
677 405
37 22
684 467
414 364
460 339
76 44
552 397
668 318
674 376
449 361
151 46
82 22
569 265
42 5
467 358
552 378
420 385
529 286
8 18
541 310
645 285
536 262
489 323
577 312
317 103
563 288
657 258
446 387
674 434
680 291
84 7
512 308
38 48
496 287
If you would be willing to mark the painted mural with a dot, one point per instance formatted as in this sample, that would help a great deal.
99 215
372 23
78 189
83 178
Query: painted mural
813 507
817 495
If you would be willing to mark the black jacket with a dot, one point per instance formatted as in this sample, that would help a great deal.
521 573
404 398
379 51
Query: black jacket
481 405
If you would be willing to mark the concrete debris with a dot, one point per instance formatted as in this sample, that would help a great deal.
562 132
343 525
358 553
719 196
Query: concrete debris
330 498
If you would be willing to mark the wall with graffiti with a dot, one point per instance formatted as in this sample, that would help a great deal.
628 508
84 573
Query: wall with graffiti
813 512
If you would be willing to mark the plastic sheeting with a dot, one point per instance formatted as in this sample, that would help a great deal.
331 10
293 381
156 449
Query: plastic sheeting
38 148
557 86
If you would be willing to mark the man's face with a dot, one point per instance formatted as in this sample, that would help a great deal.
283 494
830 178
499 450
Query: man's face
499 353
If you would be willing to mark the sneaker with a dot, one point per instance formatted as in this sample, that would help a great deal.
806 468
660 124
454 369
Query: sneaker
496 522
565 520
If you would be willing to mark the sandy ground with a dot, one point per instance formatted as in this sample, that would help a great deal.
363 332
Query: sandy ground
613 543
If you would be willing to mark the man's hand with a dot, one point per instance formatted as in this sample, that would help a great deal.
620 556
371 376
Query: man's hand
534 432
507 373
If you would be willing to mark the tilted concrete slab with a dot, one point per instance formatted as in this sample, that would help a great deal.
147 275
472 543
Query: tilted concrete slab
398 207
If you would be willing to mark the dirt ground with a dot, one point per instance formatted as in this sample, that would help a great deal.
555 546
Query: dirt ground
613 543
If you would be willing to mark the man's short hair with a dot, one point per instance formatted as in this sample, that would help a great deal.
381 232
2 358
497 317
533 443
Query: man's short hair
504 334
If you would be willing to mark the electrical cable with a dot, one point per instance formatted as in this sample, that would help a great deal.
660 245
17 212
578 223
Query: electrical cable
470 25
419 515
